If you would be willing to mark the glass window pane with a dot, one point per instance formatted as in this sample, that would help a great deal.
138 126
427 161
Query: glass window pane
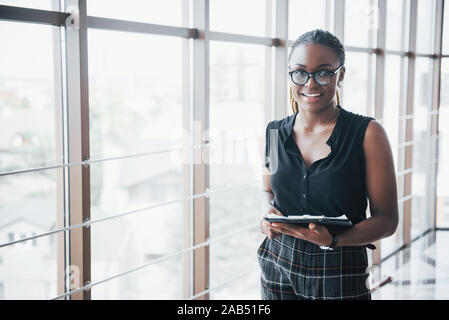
356 85
241 247
28 270
391 102
29 98
128 185
149 11
395 16
443 153
162 280
235 16
229 259
245 287
33 4
391 125
237 94
425 29
361 23
135 90
304 15
237 91
421 150
122 244
422 97
28 95
121 186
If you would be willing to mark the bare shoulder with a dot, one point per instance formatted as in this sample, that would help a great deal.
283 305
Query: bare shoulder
375 137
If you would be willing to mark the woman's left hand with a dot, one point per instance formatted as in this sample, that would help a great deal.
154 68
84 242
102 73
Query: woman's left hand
316 233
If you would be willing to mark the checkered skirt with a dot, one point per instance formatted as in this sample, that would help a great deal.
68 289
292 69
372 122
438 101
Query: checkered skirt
292 268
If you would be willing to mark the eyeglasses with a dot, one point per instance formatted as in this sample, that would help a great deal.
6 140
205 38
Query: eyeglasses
322 77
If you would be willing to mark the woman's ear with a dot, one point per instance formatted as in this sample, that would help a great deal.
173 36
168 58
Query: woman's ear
341 76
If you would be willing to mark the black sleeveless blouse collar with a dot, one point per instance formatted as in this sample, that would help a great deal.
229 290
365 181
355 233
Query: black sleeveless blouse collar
291 146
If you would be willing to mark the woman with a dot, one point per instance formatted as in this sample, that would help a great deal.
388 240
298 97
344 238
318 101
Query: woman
323 159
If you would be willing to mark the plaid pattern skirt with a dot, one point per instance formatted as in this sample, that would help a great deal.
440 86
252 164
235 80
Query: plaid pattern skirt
292 268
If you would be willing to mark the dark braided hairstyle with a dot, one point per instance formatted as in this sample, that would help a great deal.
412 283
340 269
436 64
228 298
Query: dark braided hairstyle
322 37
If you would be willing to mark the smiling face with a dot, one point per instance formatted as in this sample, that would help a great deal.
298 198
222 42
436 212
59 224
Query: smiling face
312 57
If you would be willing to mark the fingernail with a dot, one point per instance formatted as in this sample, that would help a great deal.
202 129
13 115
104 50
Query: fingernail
274 224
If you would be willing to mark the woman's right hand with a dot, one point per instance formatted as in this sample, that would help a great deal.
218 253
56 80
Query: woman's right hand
265 226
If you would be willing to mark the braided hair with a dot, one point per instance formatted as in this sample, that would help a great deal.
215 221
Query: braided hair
322 37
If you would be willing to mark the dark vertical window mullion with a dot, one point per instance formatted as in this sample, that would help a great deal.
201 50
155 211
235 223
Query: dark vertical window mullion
78 150
200 124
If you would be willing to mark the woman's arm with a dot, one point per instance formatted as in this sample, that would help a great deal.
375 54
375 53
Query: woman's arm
382 194
381 189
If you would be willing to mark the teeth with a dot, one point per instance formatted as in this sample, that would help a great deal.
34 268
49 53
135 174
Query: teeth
312 95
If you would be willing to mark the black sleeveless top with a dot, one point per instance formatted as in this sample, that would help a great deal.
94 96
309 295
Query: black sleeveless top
333 185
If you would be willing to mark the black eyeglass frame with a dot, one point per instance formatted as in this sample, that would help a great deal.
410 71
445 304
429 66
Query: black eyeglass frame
313 75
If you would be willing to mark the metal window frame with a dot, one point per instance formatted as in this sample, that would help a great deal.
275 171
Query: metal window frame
78 147
405 155
435 107
338 25
187 173
200 57
20 14
61 154
281 107
269 104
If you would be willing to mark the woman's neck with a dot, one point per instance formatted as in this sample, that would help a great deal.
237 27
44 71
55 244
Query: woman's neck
315 121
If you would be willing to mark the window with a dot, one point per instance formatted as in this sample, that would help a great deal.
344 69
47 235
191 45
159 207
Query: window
28 96
122 244
421 151
30 102
150 11
41 4
135 107
356 86
231 16
132 102
146 84
391 112
395 19
25 271
236 103
425 29
306 15
236 100
361 23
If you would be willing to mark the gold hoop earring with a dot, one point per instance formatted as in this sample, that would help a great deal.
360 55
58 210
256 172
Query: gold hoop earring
293 103
338 98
